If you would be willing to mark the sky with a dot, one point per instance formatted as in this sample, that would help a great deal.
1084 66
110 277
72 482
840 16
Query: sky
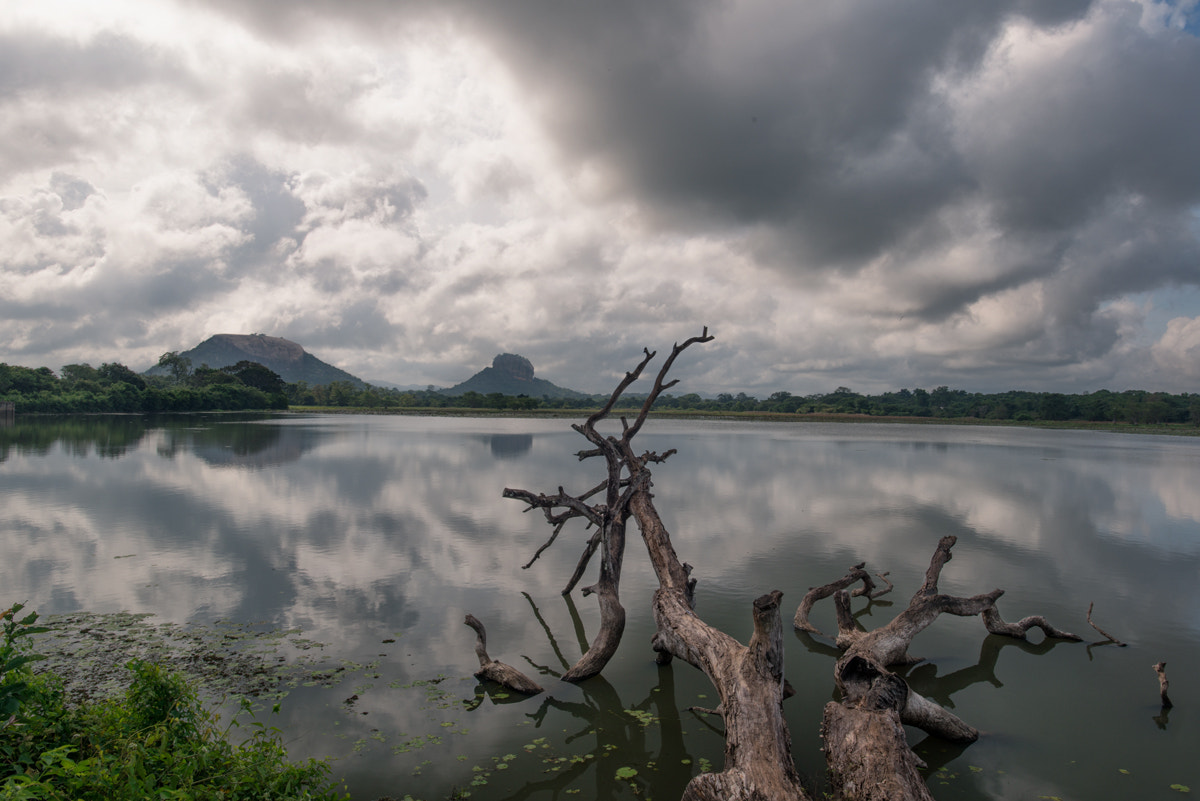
986 194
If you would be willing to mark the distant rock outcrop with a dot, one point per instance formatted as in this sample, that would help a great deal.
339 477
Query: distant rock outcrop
516 366
511 374
285 357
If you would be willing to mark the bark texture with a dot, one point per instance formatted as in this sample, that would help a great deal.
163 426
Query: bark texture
868 756
493 670
800 620
1160 669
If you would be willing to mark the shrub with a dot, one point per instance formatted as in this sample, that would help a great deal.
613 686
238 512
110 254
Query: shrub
158 742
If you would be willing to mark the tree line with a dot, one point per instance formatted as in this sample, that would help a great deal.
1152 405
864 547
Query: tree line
1132 406
113 387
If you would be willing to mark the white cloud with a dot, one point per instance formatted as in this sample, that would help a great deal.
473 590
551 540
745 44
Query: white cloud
1178 350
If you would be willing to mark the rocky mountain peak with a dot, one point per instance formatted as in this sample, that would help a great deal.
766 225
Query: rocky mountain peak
513 365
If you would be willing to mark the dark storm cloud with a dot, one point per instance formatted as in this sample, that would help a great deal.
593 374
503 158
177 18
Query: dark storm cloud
847 191
816 120
1120 113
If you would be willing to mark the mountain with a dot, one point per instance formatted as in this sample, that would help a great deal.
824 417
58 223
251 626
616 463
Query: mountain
292 362
511 374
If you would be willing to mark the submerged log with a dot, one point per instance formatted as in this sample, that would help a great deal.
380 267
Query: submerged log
499 672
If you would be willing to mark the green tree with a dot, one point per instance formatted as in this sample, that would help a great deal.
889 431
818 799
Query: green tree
75 374
117 373
256 375
180 366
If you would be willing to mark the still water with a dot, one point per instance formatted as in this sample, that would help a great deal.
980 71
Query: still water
376 535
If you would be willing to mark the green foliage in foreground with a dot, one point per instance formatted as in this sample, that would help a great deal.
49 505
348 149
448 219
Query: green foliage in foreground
158 742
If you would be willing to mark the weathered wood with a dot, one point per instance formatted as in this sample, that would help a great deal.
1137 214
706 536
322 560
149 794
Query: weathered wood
855 574
1161 669
868 756
493 670
1107 636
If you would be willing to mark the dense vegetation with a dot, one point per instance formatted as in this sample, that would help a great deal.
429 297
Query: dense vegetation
156 742
1133 406
249 385
113 387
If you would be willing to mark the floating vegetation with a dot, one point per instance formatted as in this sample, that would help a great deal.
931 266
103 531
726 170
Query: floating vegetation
89 651
641 716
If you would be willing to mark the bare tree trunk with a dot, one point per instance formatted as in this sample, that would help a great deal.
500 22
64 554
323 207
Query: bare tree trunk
748 678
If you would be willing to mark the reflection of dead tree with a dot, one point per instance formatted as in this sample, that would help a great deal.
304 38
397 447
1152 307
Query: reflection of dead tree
876 702
749 679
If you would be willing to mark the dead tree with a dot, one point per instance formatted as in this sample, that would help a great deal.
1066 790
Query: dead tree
749 678
876 703
866 749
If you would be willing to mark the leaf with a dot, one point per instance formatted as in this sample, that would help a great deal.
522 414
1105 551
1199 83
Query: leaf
626 772
1181 788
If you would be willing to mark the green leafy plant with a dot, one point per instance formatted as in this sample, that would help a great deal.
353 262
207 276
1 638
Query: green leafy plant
157 742
14 657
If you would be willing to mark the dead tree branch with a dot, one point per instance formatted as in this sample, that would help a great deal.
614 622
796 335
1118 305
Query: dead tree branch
496 671
855 574
1107 636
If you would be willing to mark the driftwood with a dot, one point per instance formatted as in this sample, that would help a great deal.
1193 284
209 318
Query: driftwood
1107 636
496 671
1161 669
800 621
868 756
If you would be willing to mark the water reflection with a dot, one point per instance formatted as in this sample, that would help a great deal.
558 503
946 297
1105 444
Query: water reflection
360 530
509 446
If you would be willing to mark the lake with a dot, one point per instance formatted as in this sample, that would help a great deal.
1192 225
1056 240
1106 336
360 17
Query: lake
374 535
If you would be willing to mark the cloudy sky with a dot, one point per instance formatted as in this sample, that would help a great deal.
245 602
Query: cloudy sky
988 194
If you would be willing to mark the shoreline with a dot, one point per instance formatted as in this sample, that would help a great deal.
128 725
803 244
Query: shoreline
1165 429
